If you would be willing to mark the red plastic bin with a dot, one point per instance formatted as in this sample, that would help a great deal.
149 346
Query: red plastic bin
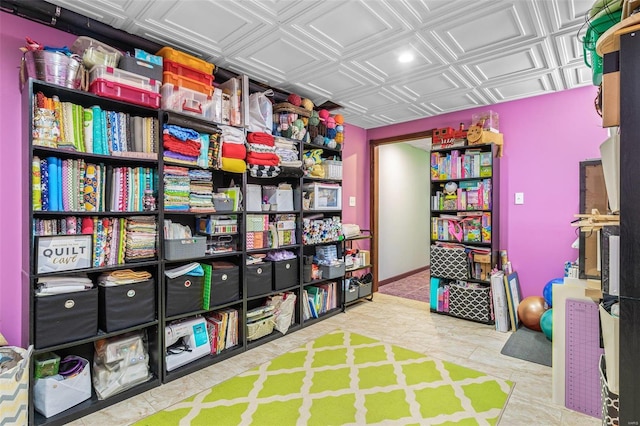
185 71
121 92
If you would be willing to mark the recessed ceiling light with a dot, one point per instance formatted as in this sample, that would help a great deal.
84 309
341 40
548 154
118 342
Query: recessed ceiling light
406 57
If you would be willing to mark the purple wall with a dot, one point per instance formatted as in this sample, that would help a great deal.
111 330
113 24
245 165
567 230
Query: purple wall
13 31
545 139
355 174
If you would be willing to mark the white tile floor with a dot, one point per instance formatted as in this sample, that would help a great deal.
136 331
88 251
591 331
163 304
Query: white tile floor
404 322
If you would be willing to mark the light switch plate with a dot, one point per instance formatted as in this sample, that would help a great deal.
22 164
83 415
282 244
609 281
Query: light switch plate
352 201
519 198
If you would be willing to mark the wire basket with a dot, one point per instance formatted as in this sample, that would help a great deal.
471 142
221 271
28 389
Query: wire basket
595 28
260 328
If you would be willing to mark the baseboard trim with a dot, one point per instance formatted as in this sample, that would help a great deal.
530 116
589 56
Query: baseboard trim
401 276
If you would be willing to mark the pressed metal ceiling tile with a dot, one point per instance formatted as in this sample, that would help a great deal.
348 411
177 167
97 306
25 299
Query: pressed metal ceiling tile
467 52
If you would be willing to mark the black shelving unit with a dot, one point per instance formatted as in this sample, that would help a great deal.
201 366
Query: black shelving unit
155 330
364 291
83 347
461 215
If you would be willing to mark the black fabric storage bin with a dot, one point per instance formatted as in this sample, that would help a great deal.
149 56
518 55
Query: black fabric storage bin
184 294
126 305
285 273
258 279
62 318
225 286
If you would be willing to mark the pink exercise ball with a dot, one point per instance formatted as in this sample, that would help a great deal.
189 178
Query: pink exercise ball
530 310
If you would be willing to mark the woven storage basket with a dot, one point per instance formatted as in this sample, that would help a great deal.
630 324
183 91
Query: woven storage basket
260 328
287 107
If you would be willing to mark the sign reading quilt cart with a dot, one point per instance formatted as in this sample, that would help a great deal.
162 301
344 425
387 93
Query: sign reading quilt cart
63 253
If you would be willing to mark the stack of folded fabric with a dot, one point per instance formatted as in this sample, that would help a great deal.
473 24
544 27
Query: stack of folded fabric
141 238
233 150
177 187
262 159
123 276
290 163
181 145
62 284
200 191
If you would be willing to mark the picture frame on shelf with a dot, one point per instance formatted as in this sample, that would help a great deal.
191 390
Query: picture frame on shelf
512 285
63 252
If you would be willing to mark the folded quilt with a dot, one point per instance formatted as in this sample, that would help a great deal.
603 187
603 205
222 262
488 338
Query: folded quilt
263 159
256 147
180 133
294 172
260 138
234 150
188 147
264 171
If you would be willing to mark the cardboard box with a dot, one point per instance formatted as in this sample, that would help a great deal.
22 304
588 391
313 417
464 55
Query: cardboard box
481 258
611 89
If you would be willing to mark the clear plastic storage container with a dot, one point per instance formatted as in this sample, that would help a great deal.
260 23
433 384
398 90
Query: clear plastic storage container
95 53
122 77
186 101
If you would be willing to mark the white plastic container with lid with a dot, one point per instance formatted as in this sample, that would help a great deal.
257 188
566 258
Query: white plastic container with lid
95 53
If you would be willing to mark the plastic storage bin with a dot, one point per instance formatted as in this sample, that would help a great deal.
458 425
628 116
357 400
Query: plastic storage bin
188 72
183 294
351 294
95 53
332 169
62 318
323 196
126 305
333 271
285 273
364 289
186 59
185 248
182 81
258 279
121 92
186 101
141 67
102 72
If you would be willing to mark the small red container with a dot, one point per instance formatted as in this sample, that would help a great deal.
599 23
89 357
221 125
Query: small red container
121 92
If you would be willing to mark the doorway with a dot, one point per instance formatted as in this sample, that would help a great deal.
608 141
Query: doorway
400 206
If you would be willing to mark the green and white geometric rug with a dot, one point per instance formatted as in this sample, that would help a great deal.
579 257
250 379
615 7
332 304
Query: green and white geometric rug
344 378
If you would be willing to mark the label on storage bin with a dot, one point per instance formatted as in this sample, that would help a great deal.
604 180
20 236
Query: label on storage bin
287 266
259 270
224 277
131 293
69 304
187 283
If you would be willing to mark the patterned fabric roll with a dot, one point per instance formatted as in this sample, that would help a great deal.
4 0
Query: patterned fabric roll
36 192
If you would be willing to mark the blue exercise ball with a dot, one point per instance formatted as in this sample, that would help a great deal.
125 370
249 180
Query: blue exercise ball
546 323
547 292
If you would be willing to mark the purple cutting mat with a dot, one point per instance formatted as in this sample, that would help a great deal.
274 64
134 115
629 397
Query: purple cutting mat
582 355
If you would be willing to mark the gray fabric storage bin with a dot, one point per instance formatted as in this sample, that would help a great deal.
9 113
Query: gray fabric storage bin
62 318
126 305
351 294
364 289
258 279
183 294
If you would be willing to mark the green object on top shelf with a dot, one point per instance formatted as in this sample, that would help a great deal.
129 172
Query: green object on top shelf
595 28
